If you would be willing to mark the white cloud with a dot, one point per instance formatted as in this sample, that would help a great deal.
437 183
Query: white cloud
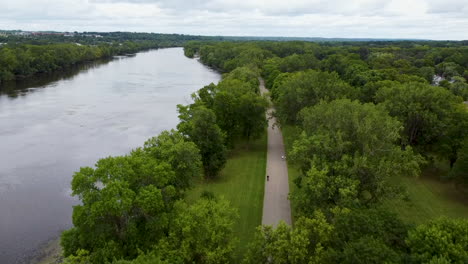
428 19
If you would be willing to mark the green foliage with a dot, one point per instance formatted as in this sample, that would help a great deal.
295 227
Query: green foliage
368 250
81 257
426 112
351 155
200 233
376 223
126 202
151 258
17 61
282 245
369 90
347 154
199 124
460 168
442 238
307 89
246 75
125 206
183 156
239 109
459 87
427 73
242 183
449 69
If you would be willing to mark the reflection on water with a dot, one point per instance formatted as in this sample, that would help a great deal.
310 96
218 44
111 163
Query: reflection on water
22 87
54 124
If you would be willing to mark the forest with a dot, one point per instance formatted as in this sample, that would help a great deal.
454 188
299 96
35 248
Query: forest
359 119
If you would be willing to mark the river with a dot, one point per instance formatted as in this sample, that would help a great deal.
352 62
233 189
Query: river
53 125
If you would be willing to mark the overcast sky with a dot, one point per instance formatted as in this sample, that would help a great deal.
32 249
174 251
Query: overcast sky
425 19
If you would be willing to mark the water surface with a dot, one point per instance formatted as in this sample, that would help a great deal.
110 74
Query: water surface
52 125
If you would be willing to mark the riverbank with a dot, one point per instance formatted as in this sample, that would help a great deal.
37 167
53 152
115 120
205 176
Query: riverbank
48 253
29 62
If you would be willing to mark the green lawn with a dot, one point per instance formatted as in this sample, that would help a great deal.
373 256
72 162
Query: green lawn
429 198
242 182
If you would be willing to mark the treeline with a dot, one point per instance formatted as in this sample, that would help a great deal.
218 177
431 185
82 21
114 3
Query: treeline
364 115
356 63
24 56
20 61
96 38
132 207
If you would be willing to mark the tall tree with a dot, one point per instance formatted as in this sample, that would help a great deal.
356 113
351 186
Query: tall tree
183 156
441 238
347 154
308 88
200 233
426 112
199 124
125 205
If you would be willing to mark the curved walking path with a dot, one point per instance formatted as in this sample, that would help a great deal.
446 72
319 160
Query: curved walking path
276 206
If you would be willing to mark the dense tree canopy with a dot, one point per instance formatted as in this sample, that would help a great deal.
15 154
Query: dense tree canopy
439 238
199 124
361 108
182 155
306 89
239 109
427 112
347 154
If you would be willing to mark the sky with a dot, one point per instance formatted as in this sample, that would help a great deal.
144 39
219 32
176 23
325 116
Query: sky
415 19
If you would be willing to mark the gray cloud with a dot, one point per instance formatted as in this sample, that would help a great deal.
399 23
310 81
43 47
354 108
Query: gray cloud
428 19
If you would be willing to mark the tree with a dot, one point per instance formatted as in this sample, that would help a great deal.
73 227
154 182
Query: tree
240 112
198 123
459 87
427 73
183 156
284 245
459 172
200 233
307 89
125 205
150 258
425 111
368 250
449 69
245 74
347 153
441 238
369 90
8 63
376 222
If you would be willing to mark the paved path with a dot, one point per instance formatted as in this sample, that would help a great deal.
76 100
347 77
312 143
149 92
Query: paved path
276 205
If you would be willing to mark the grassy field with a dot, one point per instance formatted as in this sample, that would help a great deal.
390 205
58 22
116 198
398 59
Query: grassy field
429 198
242 182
